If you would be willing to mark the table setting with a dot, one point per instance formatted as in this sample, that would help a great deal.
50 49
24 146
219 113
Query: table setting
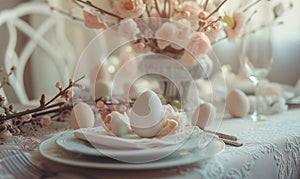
156 102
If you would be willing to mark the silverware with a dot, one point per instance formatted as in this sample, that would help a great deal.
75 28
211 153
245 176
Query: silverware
21 166
231 142
224 136
227 139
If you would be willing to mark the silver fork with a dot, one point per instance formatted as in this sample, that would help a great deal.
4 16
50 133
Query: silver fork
21 166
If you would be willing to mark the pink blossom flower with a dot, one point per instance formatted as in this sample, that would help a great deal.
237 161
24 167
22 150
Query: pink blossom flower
139 47
129 8
215 33
189 10
91 21
128 28
192 7
155 19
45 120
187 59
198 44
237 30
182 33
58 85
165 34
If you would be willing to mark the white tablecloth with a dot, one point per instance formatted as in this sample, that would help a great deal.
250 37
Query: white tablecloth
271 149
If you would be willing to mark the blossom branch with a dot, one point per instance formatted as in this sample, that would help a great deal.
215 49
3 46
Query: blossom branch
165 8
71 84
212 23
43 106
170 7
251 5
68 14
157 8
5 78
216 10
61 107
22 113
205 4
90 4
148 11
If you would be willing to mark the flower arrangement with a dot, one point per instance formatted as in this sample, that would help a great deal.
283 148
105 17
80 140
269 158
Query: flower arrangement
183 30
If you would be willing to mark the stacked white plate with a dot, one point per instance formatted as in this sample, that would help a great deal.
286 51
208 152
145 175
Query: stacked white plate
93 148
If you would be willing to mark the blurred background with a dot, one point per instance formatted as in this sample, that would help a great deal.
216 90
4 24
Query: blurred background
41 74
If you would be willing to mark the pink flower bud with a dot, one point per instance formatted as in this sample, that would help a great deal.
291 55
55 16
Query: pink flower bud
58 85
45 120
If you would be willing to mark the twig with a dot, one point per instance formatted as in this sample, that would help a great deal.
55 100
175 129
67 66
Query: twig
90 4
205 5
29 111
42 105
68 14
157 8
216 10
59 110
250 5
211 23
170 7
5 78
63 91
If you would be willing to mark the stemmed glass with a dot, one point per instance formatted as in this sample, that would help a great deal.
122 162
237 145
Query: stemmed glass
256 60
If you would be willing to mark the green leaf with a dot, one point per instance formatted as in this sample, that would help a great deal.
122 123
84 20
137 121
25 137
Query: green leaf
176 104
229 21
167 96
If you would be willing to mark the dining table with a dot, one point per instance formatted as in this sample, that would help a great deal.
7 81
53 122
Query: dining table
270 149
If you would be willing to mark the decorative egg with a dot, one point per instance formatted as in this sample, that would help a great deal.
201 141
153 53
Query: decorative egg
82 116
146 115
204 115
117 123
237 103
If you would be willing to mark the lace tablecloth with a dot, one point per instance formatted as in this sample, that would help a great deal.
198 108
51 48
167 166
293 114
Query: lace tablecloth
271 149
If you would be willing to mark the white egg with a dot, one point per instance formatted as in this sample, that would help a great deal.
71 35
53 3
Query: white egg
82 116
237 103
146 115
119 124
204 115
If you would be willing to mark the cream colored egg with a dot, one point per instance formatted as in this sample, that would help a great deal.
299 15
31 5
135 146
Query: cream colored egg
82 116
146 115
237 103
204 115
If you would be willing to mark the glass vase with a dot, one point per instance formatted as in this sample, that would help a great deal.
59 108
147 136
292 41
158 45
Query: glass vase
174 78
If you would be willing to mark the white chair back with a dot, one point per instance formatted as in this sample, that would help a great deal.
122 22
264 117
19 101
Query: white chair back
61 53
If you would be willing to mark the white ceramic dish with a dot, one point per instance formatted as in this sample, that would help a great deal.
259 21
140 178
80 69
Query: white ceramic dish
50 150
134 155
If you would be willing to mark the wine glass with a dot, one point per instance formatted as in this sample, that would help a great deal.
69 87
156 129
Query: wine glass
256 60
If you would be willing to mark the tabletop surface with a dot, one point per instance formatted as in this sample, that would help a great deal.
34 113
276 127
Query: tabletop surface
271 149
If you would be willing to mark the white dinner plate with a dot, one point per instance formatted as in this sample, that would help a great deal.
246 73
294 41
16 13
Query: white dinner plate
50 150
134 155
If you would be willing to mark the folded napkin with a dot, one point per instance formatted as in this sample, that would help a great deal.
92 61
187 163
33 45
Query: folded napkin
99 136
